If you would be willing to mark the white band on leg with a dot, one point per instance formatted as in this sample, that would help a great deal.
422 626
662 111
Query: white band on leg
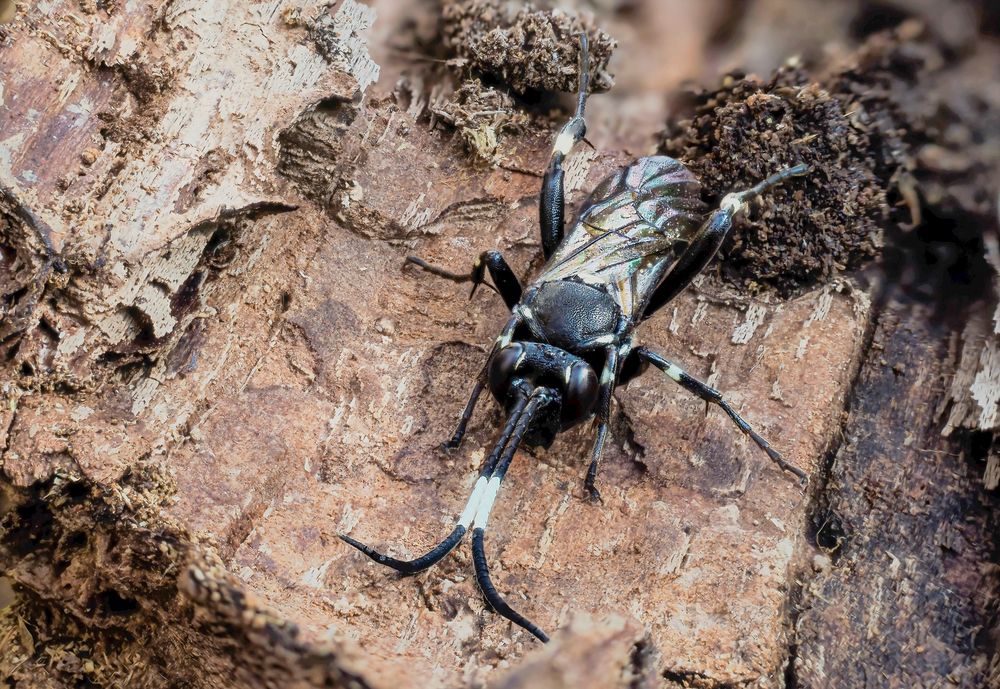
473 504
486 503
675 372
564 142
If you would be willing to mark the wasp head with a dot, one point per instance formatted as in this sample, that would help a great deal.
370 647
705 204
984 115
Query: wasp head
520 367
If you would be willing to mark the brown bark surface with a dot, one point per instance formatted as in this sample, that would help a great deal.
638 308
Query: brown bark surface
213 361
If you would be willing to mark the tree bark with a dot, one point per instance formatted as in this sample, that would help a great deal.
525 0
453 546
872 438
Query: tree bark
214 361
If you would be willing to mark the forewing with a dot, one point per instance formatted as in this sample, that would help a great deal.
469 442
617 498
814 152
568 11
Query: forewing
633 224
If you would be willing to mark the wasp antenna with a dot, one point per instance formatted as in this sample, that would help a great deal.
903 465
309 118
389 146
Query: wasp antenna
416 565
435 554
539 398
774 180
493 597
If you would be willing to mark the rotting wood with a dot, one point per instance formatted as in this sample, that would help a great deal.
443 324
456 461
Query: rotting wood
211 396
608 654
907 528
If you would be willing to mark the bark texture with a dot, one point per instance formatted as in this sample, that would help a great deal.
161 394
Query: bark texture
213 361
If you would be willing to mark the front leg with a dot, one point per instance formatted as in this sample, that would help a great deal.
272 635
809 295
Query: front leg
602 418
506 283
505 337
552 205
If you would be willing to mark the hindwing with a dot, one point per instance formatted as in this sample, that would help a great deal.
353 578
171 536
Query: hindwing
631 230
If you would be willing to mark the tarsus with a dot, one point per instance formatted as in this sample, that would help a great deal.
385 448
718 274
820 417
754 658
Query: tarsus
584 83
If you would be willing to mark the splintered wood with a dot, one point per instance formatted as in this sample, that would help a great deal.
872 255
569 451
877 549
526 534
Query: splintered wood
215 363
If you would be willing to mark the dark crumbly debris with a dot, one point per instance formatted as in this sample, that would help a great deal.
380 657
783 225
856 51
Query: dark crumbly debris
811 227
127 583
502 50
874 143
482 115
529 49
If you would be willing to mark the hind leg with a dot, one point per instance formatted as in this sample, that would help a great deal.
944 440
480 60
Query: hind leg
710 237
713 396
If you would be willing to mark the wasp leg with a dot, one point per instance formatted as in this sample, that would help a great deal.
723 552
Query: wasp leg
603 418
506 283
679 376
552 205
538 398
470 511
470 406
710 237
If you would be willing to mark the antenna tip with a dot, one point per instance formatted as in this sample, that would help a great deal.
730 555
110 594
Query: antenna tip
584 50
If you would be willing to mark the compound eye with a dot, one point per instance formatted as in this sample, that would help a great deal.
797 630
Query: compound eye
502 369
581 392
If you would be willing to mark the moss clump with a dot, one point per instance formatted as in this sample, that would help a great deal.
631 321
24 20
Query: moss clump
529 49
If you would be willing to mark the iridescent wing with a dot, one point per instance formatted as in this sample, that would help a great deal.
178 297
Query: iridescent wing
631 231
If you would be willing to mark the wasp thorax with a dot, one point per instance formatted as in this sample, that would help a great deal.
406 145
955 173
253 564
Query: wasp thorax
541 365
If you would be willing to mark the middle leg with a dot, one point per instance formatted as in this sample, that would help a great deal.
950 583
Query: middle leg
506 283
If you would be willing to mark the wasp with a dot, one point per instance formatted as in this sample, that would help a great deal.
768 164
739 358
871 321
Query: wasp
640 239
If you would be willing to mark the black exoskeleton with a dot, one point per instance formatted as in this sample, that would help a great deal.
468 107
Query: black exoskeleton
640 240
